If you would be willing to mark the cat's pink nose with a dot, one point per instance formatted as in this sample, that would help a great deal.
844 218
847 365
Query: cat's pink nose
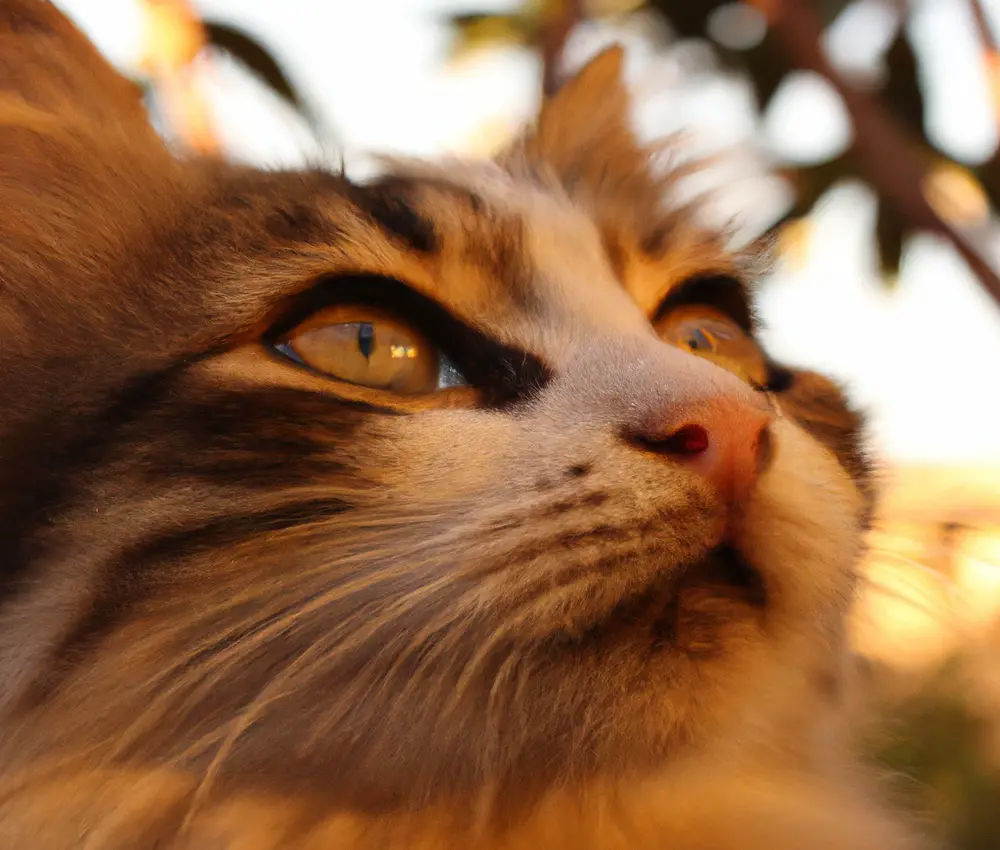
724 439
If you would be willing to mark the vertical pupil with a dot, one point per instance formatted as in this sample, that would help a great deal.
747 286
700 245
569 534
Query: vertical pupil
698 341
366 339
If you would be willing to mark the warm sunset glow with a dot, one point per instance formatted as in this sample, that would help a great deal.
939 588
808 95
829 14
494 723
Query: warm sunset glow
956 195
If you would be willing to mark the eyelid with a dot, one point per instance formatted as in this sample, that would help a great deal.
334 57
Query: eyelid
724 293
350 312
392 298
709 320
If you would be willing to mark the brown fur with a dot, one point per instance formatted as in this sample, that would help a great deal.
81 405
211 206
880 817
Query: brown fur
246 607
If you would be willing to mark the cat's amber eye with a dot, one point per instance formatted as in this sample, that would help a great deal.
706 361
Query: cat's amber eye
370 348
711 334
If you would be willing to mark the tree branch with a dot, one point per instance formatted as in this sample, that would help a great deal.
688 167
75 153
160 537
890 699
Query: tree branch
891 162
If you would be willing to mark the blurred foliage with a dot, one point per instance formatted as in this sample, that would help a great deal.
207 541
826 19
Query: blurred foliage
255 58
522 27
938 746
761 61
251 55
765 65
476 30
178 35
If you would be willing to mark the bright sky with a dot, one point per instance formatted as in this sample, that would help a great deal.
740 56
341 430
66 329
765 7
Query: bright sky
923 359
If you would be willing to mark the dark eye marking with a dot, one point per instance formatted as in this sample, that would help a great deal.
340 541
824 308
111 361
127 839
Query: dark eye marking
780 379
56 485
389 203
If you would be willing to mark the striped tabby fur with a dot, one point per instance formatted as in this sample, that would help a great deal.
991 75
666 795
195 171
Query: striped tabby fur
244 607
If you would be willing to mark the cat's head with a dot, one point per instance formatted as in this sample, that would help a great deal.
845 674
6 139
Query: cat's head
473 476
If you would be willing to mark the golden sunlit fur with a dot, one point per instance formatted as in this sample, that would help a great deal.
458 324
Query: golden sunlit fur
247 606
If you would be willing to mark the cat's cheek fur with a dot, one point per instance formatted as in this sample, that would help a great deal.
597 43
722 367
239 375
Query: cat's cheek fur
506 477
696 806
807 555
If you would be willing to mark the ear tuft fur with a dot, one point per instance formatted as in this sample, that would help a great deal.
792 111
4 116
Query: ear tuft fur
50 65
583 130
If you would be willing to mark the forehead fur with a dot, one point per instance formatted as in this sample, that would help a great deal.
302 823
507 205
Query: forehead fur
583 154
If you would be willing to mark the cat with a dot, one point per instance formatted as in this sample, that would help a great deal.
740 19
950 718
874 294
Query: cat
459 508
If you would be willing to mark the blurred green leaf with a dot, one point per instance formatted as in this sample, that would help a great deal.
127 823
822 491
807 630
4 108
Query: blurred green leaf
937 744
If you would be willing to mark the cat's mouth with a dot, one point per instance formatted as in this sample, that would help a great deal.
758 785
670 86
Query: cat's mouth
728 571
722 591
689 608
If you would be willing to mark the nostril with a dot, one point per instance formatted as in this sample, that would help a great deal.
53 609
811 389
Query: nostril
686 440
762 450
728 444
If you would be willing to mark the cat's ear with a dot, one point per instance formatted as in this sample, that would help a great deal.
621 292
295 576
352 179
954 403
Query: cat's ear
584 136
79 161
588 116
48 67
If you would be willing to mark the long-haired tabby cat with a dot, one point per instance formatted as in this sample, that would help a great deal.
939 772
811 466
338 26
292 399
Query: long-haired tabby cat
459 509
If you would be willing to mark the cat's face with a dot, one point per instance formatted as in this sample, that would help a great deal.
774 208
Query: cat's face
463 478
